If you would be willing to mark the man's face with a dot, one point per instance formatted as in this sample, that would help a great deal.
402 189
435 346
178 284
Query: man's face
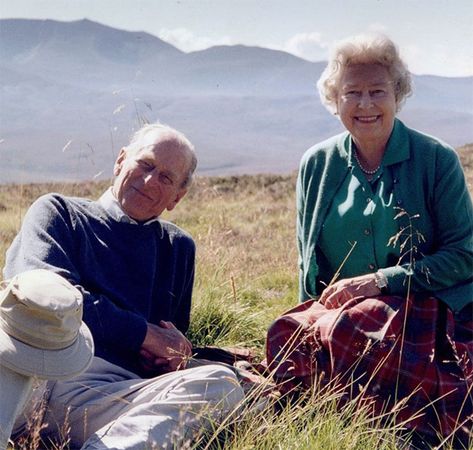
150 180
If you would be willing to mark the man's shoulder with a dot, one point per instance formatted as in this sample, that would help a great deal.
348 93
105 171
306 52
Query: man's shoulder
60 199
61 204
176 234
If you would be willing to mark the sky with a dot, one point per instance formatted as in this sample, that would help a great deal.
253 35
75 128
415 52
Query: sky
434 36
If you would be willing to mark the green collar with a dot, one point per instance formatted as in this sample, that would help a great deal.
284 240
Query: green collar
397 149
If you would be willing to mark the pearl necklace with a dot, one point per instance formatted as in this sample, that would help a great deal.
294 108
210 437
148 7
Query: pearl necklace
363 169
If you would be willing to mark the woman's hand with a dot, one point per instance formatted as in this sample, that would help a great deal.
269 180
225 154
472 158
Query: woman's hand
340 292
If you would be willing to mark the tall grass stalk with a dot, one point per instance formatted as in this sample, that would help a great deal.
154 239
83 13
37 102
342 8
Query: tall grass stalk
246 276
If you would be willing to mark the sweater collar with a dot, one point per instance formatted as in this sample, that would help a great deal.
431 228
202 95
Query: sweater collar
111 205
397 149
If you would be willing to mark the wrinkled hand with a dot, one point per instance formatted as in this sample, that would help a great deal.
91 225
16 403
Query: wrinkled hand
344 290
165 348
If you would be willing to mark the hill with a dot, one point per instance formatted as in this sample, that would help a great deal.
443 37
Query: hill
72 92
466 156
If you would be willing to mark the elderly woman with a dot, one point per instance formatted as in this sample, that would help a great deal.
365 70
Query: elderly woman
385 245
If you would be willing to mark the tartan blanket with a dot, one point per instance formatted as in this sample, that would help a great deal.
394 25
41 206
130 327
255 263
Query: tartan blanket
405 355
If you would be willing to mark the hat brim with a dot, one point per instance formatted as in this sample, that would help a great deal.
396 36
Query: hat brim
47 364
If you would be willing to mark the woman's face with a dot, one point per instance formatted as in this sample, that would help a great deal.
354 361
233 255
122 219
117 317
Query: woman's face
367 104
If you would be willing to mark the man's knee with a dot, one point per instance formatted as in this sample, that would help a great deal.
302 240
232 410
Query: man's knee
219 384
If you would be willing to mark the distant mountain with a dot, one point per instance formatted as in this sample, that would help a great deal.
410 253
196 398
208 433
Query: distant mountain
72 93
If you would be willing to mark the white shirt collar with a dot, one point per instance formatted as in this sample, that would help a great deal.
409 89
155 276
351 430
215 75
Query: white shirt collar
111 205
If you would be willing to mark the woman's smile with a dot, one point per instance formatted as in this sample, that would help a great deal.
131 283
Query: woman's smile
367 119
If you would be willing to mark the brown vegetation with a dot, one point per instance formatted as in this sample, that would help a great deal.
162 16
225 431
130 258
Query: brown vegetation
244 228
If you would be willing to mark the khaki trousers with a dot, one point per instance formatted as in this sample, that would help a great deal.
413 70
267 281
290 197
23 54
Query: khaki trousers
108 407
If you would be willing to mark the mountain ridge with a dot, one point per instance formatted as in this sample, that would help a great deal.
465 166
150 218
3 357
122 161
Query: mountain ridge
246 108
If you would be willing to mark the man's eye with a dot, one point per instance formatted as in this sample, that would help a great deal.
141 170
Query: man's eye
165 179
146 165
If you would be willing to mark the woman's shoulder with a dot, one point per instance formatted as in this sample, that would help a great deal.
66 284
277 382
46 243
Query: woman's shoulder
329 145
431 158
325 149
430 145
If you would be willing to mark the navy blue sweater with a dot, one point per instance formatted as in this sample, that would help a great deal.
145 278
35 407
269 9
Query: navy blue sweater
129 274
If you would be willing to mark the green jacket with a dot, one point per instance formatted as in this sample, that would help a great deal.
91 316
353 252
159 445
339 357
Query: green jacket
429 185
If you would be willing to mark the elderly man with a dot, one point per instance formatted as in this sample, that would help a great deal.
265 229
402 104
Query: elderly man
135 272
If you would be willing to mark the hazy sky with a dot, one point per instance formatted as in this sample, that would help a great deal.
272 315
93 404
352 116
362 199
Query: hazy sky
435 36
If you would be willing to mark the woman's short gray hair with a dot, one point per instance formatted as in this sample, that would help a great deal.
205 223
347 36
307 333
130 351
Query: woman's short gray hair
136 144
364 49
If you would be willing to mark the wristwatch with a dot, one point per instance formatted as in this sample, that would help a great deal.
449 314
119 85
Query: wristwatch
381 282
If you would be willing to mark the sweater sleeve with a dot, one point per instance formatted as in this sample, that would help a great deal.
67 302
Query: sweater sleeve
177 261
47 240
182 319
301 239
451 260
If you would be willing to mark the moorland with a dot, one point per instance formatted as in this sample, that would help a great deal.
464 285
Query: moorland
244 228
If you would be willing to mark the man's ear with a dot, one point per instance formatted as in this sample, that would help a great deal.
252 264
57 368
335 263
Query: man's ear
119 162
179 196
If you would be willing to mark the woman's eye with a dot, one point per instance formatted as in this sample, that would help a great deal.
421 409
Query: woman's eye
378 93
351 94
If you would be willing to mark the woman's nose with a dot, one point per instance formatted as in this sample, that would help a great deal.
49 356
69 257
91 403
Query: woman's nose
365 100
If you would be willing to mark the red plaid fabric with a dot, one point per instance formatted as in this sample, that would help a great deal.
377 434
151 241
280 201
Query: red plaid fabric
388 349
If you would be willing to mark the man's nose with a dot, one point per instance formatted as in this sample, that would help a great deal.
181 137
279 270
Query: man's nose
151 178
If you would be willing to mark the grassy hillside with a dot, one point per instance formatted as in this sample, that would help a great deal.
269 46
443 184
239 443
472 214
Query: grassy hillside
244 228
466 157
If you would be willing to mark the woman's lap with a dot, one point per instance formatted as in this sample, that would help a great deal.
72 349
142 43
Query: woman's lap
396 349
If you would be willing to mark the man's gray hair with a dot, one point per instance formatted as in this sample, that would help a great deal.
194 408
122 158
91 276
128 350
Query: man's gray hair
364 49
136 144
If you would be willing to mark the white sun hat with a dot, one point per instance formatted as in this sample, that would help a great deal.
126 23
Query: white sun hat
41 330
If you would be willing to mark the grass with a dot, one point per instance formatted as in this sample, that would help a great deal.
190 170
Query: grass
311 422
246 275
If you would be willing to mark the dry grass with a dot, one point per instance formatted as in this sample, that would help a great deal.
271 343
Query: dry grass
466 157
244 228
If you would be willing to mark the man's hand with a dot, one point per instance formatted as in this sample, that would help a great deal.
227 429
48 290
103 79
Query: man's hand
165 348
340 292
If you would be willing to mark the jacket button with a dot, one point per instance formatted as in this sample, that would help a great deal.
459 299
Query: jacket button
371 266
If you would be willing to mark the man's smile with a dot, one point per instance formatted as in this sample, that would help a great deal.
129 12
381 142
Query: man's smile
143 194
